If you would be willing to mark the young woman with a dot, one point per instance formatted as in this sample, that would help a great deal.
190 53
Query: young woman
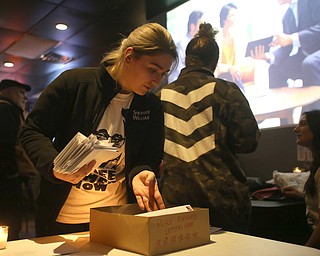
228 66
113 102
308 135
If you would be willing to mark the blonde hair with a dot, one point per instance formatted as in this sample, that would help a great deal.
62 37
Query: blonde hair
148 39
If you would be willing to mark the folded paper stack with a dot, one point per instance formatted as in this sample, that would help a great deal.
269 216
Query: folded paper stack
82 150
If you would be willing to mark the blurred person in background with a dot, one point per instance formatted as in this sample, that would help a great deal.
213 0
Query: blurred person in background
195 19
14 162
228 66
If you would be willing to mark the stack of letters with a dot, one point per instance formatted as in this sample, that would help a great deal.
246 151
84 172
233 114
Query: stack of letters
81 150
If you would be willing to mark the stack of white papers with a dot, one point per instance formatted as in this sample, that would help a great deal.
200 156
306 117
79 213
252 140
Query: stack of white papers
81 150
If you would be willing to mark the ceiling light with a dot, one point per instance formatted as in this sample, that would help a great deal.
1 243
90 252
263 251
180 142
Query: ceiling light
8 64
61 26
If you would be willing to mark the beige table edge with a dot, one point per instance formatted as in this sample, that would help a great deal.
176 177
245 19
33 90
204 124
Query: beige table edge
222 244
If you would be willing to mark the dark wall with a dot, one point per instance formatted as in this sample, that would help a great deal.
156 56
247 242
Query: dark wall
277 150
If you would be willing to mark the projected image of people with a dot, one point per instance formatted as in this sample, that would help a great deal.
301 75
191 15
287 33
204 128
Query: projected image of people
298 55
192 28
269 48
228 63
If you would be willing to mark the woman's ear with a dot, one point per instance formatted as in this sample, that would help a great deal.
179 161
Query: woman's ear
128 55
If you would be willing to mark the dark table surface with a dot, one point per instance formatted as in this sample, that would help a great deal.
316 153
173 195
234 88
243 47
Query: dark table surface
280 220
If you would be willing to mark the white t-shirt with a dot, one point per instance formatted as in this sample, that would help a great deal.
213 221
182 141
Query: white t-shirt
106 185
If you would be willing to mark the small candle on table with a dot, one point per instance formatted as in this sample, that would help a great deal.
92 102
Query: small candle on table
3 236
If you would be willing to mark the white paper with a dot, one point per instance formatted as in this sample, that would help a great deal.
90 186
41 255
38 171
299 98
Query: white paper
171 210
82 150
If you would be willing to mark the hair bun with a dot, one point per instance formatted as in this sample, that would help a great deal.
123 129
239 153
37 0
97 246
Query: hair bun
206 30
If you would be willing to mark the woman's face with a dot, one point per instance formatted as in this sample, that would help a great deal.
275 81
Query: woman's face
304 133
140 74
231 18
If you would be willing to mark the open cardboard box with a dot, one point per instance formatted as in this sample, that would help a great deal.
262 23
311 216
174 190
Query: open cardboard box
118 227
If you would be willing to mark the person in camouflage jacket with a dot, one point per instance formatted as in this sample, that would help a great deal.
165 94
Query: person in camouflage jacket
207 122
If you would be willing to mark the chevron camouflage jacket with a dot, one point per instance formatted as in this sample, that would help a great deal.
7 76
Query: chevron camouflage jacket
208 121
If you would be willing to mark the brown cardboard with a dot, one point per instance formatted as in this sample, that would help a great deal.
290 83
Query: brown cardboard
117 226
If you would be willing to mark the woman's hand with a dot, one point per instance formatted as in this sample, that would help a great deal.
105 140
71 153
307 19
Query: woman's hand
145 188
235 73
259 53
292 192
78 175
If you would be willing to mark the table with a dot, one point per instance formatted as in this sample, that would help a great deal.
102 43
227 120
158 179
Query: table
280 220
222 244
280 102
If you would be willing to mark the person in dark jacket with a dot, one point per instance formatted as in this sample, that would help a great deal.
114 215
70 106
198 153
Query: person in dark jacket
13 98
207 122
112 101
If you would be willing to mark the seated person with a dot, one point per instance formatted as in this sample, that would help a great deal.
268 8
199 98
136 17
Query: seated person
229 66
308 136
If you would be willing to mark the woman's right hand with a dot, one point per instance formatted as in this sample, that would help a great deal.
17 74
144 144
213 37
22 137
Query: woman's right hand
235 73
259 53
76 176
292 192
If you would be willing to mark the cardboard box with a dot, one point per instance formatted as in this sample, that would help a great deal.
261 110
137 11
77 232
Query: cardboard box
118 227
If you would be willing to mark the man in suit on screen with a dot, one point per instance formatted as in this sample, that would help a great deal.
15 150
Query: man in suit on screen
298 55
